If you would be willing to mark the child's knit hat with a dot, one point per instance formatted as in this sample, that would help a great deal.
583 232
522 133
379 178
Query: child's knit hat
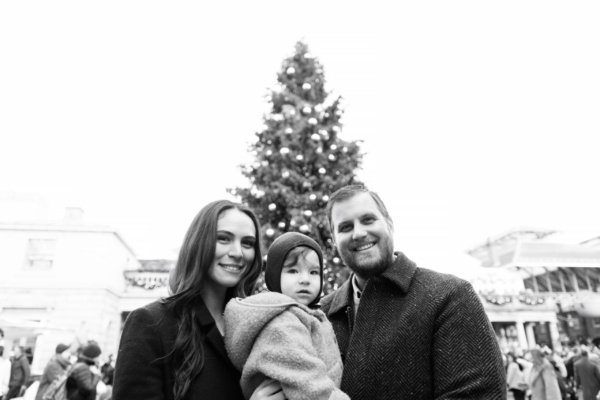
279 251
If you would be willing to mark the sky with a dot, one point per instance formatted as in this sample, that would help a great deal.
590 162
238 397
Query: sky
476 117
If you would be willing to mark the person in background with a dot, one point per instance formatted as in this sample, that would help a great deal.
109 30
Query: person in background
84 377
19 374
587 376
173 348
56 366
4 373
515 379
542 379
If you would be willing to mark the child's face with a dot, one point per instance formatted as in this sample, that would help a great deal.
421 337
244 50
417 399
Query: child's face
302 280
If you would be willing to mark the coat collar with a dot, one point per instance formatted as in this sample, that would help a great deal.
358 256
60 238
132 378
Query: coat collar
401 273
208 325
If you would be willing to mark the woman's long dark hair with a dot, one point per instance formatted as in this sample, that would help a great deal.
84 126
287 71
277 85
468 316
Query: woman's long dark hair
187 281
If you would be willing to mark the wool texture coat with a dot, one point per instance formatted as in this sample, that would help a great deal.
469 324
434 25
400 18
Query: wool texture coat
144 369
587 375
418 334
55 368
271 335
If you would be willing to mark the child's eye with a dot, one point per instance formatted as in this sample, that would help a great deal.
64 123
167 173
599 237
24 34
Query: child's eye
292 271
315 272
248 244
223 238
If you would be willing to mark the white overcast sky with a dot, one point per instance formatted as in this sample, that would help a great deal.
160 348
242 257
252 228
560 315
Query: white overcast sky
476 116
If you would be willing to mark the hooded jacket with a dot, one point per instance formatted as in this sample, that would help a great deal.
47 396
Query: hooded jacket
271 335
55 367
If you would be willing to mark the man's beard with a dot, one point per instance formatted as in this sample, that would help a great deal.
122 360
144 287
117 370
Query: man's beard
370 268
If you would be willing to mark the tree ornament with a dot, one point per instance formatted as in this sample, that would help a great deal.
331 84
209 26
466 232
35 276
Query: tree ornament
290 71
307 185
285 174
284 150
306 86
333 147
331 157
319 150
322 132
315 137
325 198
336 129
256 165
312 121
289 130
260 194
306 110
308 213
269 152
312 197
299 157
322 170
293 223
345 149
318 108
336 260
265 163
281 225
270 232
272 207
304 228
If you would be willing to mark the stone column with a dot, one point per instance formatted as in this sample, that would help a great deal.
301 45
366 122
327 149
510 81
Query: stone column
530 335
554 336
522 336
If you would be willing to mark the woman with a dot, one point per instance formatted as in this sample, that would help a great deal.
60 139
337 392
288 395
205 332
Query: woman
542 378
173 349
515 378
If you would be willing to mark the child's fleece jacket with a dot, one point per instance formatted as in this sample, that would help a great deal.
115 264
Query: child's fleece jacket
271 335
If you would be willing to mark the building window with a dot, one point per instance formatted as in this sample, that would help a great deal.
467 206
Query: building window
40 253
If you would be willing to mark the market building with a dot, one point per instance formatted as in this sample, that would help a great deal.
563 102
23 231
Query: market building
554 299
68 281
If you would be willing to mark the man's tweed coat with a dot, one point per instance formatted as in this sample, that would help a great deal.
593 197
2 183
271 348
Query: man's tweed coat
418 334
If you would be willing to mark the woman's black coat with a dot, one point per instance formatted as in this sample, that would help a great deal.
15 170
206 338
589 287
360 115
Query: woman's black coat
144 370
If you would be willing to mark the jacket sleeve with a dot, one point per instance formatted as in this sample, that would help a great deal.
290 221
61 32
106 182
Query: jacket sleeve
138 371
86 381
26 371
467 362
284 351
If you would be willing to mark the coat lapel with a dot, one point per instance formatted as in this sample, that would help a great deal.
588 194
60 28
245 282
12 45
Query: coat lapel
213 336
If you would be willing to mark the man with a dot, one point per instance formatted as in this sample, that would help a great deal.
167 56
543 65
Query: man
587 376
57 365
404 332
85 375
19 374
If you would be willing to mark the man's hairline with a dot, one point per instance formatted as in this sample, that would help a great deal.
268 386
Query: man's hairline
388 220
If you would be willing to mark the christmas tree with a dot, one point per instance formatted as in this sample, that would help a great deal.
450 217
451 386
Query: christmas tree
300 160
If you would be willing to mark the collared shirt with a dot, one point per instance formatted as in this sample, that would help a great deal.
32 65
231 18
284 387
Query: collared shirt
357 293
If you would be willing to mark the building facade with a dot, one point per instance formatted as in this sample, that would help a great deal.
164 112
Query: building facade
556 300
68 281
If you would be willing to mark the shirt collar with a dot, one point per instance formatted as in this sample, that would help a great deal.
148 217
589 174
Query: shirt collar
401 273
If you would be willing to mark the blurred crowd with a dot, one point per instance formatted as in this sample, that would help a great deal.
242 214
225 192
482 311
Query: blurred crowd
79 370
544 374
